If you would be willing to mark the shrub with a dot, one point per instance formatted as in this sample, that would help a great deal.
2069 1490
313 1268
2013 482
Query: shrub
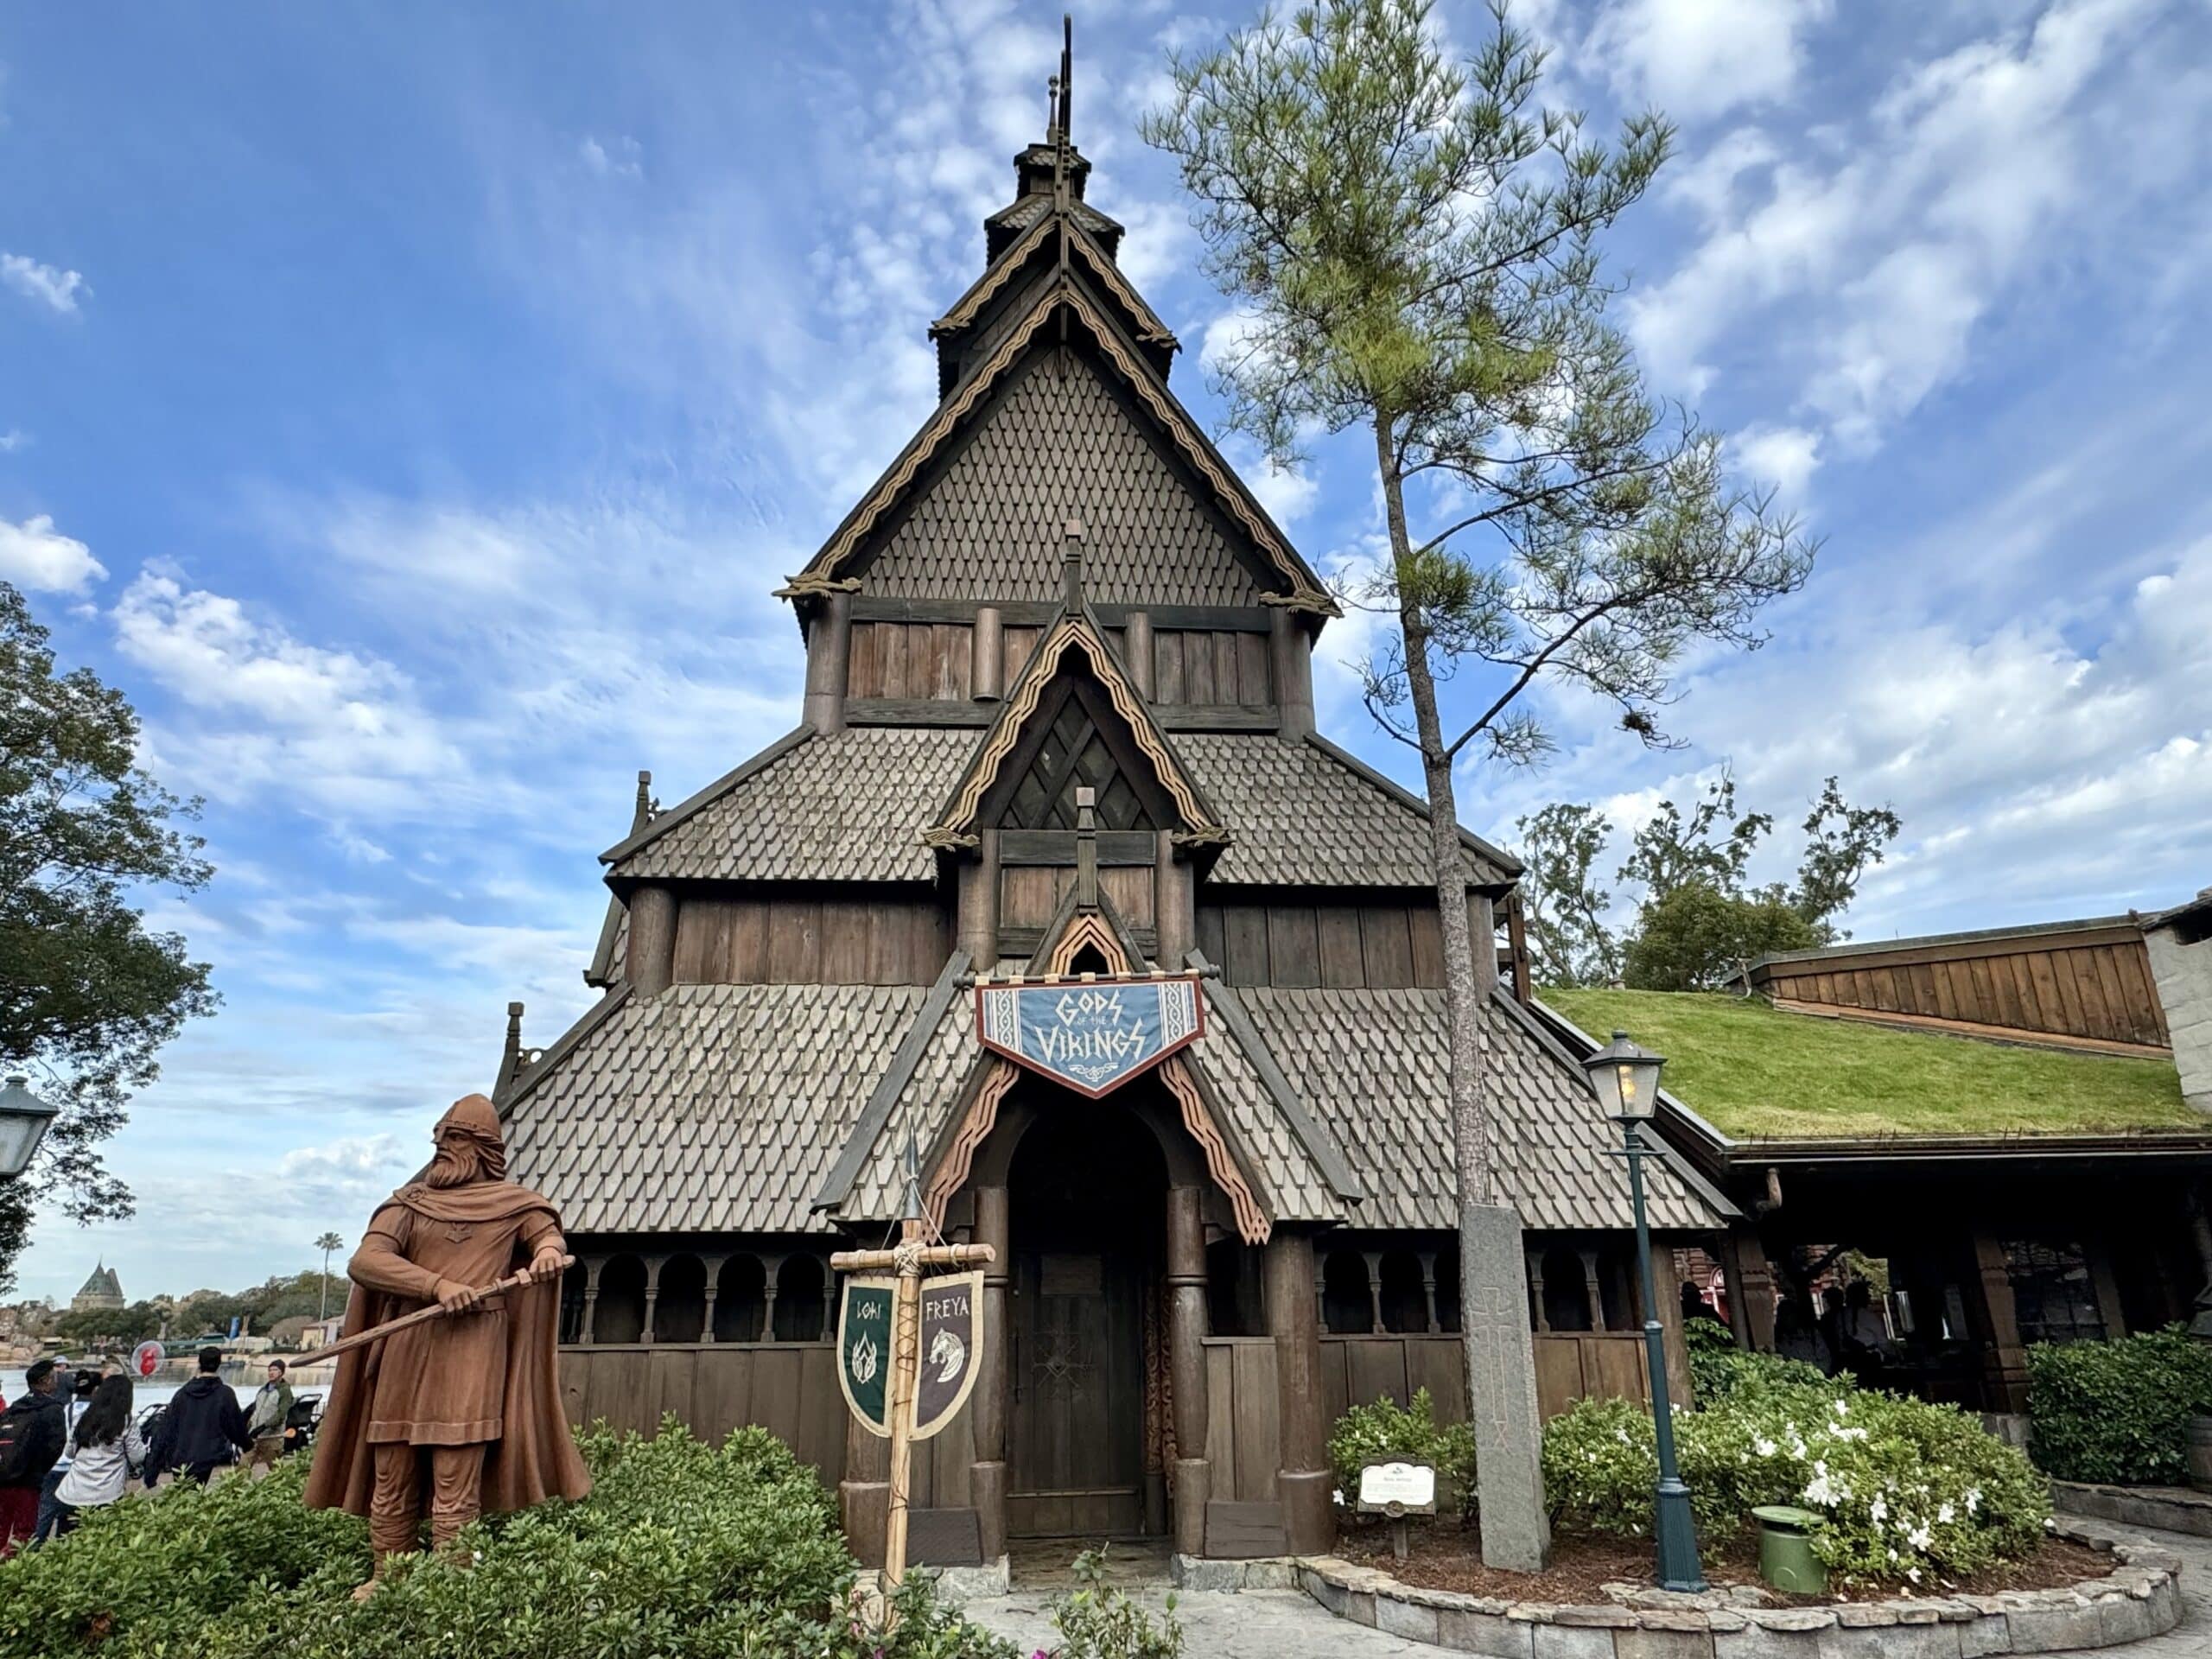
1719 1367
1097 1621
682 1549
1386 1432
1908 1489
2118 1411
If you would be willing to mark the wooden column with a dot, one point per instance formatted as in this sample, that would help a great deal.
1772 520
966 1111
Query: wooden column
987 656
1186 1356
864 1495
2004 1363
829 646
1374 1259
1136 651
1666 1286
1540 1318
650 963
1292 651
978 907
1482 925
1592 1292
1429 1289
1750 1288
770 1267
653 1265
591 1265
987 1406
714 1266
1173 912
1303 1481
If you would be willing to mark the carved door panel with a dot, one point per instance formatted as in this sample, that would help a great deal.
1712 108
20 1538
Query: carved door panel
1076 1453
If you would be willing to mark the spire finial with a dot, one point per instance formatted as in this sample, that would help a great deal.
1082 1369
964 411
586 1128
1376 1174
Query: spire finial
1067 75
910 1169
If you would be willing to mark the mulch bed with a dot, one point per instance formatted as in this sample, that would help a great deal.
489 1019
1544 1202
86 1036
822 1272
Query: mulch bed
1446 1555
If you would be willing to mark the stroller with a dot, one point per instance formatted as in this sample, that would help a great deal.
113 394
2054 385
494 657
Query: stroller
301 1421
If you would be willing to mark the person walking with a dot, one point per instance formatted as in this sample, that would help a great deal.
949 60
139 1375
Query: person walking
201 1428
30 1444
264 1422
82 1382
105 1449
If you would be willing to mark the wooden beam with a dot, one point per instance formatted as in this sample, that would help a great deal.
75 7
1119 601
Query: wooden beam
2018 1034
829 645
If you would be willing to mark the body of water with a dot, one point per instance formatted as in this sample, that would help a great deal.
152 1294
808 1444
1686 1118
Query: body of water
156 1393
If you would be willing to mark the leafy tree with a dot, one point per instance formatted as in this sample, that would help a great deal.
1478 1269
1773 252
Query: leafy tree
118 1326
88 993
1568 935
326 1243
1667 852
1697 936
1414 243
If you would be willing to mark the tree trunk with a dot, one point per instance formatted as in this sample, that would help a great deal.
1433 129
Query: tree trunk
1500 1352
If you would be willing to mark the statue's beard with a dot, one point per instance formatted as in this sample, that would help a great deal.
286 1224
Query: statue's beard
451 1168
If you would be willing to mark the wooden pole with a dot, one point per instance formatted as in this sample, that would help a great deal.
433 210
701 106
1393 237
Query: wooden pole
514 1281
905 1362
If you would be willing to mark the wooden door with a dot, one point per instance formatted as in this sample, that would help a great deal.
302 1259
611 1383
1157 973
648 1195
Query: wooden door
1076 1453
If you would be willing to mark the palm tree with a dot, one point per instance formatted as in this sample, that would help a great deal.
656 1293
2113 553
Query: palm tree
327 1243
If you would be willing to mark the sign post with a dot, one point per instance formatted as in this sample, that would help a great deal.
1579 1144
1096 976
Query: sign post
884 1326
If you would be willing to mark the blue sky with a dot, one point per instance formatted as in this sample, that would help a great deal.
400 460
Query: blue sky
412 408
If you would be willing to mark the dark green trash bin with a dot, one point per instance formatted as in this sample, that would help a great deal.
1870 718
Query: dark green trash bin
1786 1558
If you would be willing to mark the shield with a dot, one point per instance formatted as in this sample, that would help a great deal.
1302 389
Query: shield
864 1350
952 1342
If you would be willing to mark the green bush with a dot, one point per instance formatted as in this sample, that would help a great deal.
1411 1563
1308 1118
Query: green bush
682 1549
1097 1621
1386 1432
2118 1411
1719 1367
1909 1490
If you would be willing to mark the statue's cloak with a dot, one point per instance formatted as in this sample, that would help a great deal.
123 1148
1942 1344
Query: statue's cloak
536 1457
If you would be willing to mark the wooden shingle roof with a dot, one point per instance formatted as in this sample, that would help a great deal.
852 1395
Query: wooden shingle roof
1374 1065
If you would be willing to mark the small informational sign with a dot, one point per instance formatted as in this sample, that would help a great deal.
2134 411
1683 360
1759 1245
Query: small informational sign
952 1339
1093 1037
1395 1489
146 1358
864 1350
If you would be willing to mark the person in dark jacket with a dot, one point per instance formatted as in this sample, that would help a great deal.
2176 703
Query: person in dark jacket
31 1434
200 1429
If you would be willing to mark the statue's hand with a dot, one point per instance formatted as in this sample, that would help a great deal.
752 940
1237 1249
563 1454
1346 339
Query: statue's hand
548 1264
458 1298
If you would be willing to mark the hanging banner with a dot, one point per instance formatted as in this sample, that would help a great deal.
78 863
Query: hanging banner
1094 1038
864 1350
952 1342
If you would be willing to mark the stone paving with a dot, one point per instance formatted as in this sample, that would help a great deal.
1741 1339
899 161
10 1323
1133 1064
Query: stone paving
1289 1624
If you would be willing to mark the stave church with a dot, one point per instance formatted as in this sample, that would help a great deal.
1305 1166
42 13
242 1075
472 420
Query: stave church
1059 729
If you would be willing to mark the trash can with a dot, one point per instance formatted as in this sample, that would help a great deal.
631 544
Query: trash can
1786 1558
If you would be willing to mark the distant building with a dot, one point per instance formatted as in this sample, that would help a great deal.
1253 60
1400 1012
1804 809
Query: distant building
102 1289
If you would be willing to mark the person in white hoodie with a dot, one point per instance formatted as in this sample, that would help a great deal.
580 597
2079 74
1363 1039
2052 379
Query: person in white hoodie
107 1448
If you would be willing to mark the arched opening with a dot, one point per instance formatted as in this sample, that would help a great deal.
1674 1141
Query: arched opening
1347 1310
680 1309
1567 1293
1087 1200
574 1283
740 1298
1234 1297
620 1315
1405 1298
1447 1287
801 1295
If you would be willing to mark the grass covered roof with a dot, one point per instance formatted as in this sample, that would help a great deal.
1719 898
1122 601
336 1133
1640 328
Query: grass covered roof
1753 1072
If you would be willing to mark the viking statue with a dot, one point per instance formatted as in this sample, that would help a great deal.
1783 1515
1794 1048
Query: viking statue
462 1412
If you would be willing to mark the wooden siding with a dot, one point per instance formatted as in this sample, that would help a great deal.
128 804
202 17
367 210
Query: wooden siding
1326 944
788 1388
799 941
1030 894
2092 987
932 661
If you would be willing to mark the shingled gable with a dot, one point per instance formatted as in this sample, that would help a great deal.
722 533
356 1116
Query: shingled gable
1074 632
1033 253
1268 1153
1064 292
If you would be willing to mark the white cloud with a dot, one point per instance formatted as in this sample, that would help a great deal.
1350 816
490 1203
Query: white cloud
12 440
47 285
1782 457
36 556
621 157
1696 59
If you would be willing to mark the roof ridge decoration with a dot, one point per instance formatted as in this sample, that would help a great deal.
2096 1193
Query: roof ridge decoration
826 569
1151 331
955 823
1072 932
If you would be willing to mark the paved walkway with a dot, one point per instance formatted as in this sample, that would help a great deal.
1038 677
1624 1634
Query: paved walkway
1288 1625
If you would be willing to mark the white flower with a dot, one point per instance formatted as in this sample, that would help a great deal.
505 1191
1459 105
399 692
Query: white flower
1338 1497
1919 1536
1946 1515
1764 1446
1913 1572
1974 1499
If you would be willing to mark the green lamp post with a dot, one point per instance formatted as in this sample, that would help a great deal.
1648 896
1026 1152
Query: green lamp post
1627 1081
23 1120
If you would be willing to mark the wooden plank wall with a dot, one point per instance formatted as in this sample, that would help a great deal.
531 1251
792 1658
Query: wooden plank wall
788 1389
933 661
727 941
1589 1365
1335 945
1030 894
1244 1419
2094 985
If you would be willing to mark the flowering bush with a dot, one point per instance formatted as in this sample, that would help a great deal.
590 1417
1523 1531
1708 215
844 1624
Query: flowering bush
1386 1432
2118 1411
1908 1491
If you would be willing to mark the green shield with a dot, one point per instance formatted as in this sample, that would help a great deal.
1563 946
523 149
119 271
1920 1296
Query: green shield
864 1350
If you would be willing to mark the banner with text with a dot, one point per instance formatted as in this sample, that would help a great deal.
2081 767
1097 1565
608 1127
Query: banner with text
1094 1038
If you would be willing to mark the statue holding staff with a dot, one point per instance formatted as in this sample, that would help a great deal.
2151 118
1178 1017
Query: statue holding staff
459 1411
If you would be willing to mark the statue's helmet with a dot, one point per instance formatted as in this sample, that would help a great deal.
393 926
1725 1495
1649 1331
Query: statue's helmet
473 1122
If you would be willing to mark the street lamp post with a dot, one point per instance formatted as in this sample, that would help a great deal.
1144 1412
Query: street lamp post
1627 1081
23 1120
